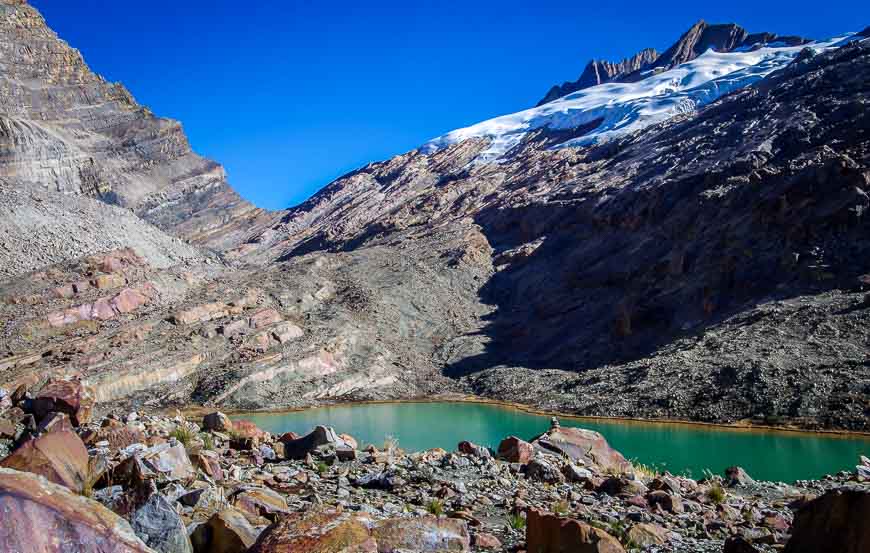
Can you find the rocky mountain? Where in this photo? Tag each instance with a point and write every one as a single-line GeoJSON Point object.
{"type": "Point", "coordinates": [702, 36]}
{"type": "Point", "coordinates": [599, 72]}
{"type": "Point", "coordinates": [65, 131]}
{"type": "Point", "coordinates": [698, 252]}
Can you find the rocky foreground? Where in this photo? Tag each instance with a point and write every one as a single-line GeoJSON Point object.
{"type": "Point", "coordinates": [156, 483]}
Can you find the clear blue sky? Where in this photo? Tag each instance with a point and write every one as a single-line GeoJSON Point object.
{"type": "Point", "coordinates": [289, 95]}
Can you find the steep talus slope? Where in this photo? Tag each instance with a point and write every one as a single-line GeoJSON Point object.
{"type": "Point", "coordinates": [66, 130]}
{"type": "Point", "coordinates": [700, 37]}
{"type": "Point", "coordinates": [709, 267]}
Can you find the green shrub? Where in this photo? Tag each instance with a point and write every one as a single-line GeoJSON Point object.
{"type": "Point", "coordinates": [183, 434]}
{"type": "Point", "coordinates": [716, 493]}
{"type": "Point", "coordinates": [517, 521]}
{"type": "Point", "coordinates": [435, 507]}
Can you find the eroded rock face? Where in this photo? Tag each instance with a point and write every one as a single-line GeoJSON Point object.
{"type": "Point", "coordinates": [836, 521]}
{"type": "Point", "coordinates": [39, 516]}
{"type": "Point", "coordinates": [515, 450]}
{"type": "Point", "coordinates": [225, 532]}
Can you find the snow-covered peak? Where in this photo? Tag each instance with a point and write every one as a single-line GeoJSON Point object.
{"type": "Point", "coordinates": [623, 108]}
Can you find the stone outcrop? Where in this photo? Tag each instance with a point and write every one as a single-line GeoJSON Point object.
{"type": "Point", "coordinates": [322, 531]}
{"type": "Point", "coordinates": [599, 72]}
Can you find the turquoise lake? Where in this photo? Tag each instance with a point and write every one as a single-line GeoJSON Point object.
{"type": "Point", "coordinates": [679, 448]}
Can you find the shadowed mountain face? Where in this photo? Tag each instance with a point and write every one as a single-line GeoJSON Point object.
{"type": "Point", "coordinates": [701, 37]}
{"type": "Point", "coordinates": [710, 267]}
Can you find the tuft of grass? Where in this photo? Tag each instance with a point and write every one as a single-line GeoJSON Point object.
{"type": "Point", "coordinates": [517, 521]}
{"type": "Point", "coordinates": [435, 507]}
{"type": "Point", "coordinates": [645, 471]}
{"type": "Point", "coordinates": [321, 468]}
{"type": "Point", "coordinates": [716, 493]}
{"type": "Point", "coordinates": [184, 435]}
{"type": "Point", "coordinates": [561, 508]}
{"type": "Point", "coordinates": [207, 441]}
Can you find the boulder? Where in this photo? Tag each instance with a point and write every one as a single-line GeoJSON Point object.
{"type": "Point", "coordinates": [546, 533]}
{"type": "Point", "coordinates": [159, 526]}
{"type": "Point", "coordinates": [645, 534]}
{"type": "Point", "coordinates": [217, 421]}
{"type": "Point", "coordinates": [209, 463]}
{"type": "Point", "coordinates": [225, 532]}
{"type": "Point", "coordinates": [469, 448]}
{"type": "Point", "coordinates": [41, 517]}
{"type": "Point", "coordinates": [579, 444]}
{"type": "Point", "coordinates": [671, 503]}
{"type": "Point", "coordinates": [171, 461]}
{"type": "Point", "coordinates": [483, 540]}
{"type": "Point", "coordinates": [621, 486]}
{"type": "Point", "coordinates": [60, 457]}
{"type": "Point", "coordinates": [128, 300]}
{"type": "Point", "coordinates": [111, 280]}
{"type": "Point", "coordinates": [836, 521]}
{"type": "Point", "coordinates": [247, 429]}
{"type": "Point", "coordinates": [544, 470]}
{"type": "Point", "coordinates": [286, 331]}
{"type": "Point", "coordinates": [322, 531]}
{"type": "Point", "coordinates": [736, 476]}
{"type": "Point", "coordinates": [320, 436]}
{"type": "Point", "coordinates": [261, 502]}
{"type": "Point", "coordinates": [426, 534]}
{"type": "Point", "coordinates": [515, 450]}
{"type": "Point", "coordinates": [65, 396]}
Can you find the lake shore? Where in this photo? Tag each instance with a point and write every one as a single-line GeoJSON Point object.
{"type": "Point", "coordinates": [739, 426]}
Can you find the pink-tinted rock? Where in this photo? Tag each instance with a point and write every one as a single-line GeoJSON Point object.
{"type": "Point", "coordinates": [128, 300]}
{"type": "Point", "coordinates": [426, 534]}
{"type": "Point", "coordinates": [105, 282]}
{"type": "Point", "coordinates": [546, 533]}
{"type": "Point", "coordinates": [59, 456]}
{"type": "Point", "coordinates": [515, 450]}
{"type": "Point", "coordinates": [65, 396]}
{"type": "Point", "coordinates": [320, 531]}
{"type": "Point", "coordinates": [584, 445]}
{"type": "Point", "coordinates": [209, 463]}
{"type": "Point", "coordinates": [42, 517]}
{"type": "Point", "coordinates": [247, 429]}
{"type": "Point", "coordinates": [261, 502]}
{"type": "Point", "coordinates": [64, 292]}
{"type": "Point", "coordinates": [264, 317]}
{"type": "Point", "coordinates": [102, 310]}
{"type": "Point", "coordinates": [482, 540]}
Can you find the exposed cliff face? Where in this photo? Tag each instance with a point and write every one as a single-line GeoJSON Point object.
{"type": "Point", "coordinates": [64, 129]}
{"type": "Point", "coordinates": [701, 37]}
{"type": "Point", "coordinates": [602, 71]}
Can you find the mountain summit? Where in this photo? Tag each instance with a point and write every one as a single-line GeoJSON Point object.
{"type": "Point", "coordinates": [702, 36]}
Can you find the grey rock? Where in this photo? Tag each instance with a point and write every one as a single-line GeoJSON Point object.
{"type": "Point", "coordinates": [159, 526]}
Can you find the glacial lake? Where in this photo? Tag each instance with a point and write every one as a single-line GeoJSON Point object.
{"type": "Point", "coordinates": [679, 448]}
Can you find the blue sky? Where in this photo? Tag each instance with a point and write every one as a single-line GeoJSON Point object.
{"type": "Point", "coordinates": [289, 95]}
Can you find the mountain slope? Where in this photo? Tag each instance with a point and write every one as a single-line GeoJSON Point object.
{"type": "Point", "coordinates": [709, 266]}
{"type": "Point", "coordinates": [65, 130]}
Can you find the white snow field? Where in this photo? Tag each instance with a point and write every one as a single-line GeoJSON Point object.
{"type": "Point", "coordinates": [628, 107]}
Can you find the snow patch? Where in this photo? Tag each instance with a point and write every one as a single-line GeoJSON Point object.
{"type": "Point", "coordinates": [628, 107]}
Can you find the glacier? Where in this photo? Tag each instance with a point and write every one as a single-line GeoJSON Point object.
{"type": "Point", "coordinates": [624, 108]}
